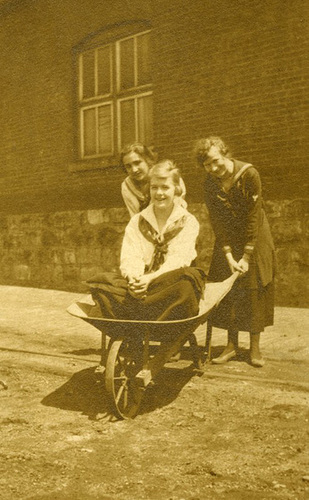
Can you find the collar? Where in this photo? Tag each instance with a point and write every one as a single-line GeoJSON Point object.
{"type": "Point", "coordinates": [177, 213]}
{"type": "Point", "coordinates": [238, 165]}
{"type": "Point", "coordinates": [131, 186]}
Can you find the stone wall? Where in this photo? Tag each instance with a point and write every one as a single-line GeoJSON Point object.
{"type": "Point", "coordinates": [60, 250]}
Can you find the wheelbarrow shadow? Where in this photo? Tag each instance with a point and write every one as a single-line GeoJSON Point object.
{"type": "Point", "coordinates": [167, 386]}
{"type": "Point", "coordinates": [85, 392]}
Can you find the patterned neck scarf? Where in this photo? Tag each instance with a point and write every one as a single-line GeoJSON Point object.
{"type": "Point", "coordinates": [160, 242]}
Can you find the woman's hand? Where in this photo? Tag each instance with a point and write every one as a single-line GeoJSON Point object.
{"type": "Point", "coordinates": [234, 265]}
{"type": "Point", "coordinates": [132, 278]}
{"type": "Point", "coordinates": [138, 286]}
{"type": "Point", "coordinates": [243, 264]}
{"type": "Point", "coordinates": [132, 284]}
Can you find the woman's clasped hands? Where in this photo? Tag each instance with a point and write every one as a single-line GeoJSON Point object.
{"type": "Point", "coordinates": [241, 266]}
{"type": "Point", "coordinates": [137, 285]}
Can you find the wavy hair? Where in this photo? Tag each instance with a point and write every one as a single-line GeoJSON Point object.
{"type": "Point", "coordinates": [167, 168]}
{"type": "Point", "coordinates": [202, 147]}
{"type": "Point", "coordinates": [145, 152]}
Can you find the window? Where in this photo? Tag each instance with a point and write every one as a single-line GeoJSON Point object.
{"type": "Point", "coordinates": [115, 96]}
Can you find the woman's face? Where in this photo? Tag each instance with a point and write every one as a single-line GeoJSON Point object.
{"type": "Point", "coordinates": [162, 192]}
{"type": "Point", "coordinates": [136, 167]}
{"type": "Point", "coordinates": [215, 164]}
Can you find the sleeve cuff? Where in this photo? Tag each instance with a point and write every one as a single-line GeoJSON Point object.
{"type": "Point", "coordinates": [227, 249]}
{"type": "Point", "coordinates": [248, 249]}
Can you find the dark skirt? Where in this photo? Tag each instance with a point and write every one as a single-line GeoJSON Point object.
{"type": "Point", "coordinates": [249, 306]}
{"type": "Point", "coordinates": [245, 309]}
{"type": "Point", "coordinates": [173, 295]}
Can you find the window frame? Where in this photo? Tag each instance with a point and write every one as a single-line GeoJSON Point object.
{"type": "Point", "coordinates": [113, 98]}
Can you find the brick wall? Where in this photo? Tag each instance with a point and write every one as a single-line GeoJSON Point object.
{"type": "Point", "coordinates": [62, 249]}
{"type": "Point", "coordinates": [240, 70]}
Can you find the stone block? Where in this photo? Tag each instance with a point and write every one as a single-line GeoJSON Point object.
{"type": "Point", "coordinates": [87, 272]}
{"type": "Point", "coordinates": [110, 260]}
{"type": "Point", "coordinates": [95, 217]}
{"type": "Point", "coordinates": [56, 256]}
{"type": "Point", "coordinates": [296, 208]}
{"type": "Point", "coordinates": [22, 272]}
{"type": "Point", "coordinates": [118, 216]}
{"type": "Point", "coordinates": [89, 255]}
{"type": "Point", "coordinates": [69, 257]}
{"type": "Point", "coordinates": [49, 238]}
{"type": "Point", "coordinates": [274, 209]}
{"type": "Point", "coordinates": [71, 273]}
{"type": "Point", "coordinates": [79, 236]}
{"type": "Point", "coordinates": [108, 236]}
{"type": "Point", "coordinates": [286, 230]}
{"type": "Point", "coordinates": [57, 275]}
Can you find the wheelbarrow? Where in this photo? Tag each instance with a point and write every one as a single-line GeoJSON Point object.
{"type": "Point", "coordinates": [128, 364]}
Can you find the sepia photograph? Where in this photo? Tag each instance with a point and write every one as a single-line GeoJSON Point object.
{"type": "Point", "coordinates": [154, 250]}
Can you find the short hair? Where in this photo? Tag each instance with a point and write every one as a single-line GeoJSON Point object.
{"type": "Point", "coordinates": [146, 152]}
{"type": "Point", "coordinates": [167, 168]}
{"type": "Point", "coordinates": [203, 146]}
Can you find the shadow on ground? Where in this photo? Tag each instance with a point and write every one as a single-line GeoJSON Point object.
{"type": "Point", "coordinates": [85, 392]}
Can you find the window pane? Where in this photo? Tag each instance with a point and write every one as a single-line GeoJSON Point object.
{"type": "Point", "coordinates": [104, 71]}
{"type": "Point", "coordinates": [88, 74]}
{"type": "Point", "coordinates": [105, 129]}
{"type": "Point", "coordinates": [143, 59]}
{"type": "Point", "coordinates": [145, 121]}
{"type": "Point", "coordinates": [89, 132]}
{"type": "Point", "coordinates": [127, 64]}
{"type": "Point", "coordinates": [127, 121]}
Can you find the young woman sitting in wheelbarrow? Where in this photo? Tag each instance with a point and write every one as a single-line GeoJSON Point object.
{"type": "Point", "coordinates": [156, 279]}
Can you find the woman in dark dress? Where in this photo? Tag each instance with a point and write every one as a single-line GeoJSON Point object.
{"type": "Point", "coordinates": [243, 243]}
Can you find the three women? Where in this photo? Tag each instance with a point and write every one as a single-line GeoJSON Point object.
{"type": "Point", "coordinates": [157, 280]}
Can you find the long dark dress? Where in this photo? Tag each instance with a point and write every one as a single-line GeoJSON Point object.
{"type": "Point", "coordinates": [240, 226]}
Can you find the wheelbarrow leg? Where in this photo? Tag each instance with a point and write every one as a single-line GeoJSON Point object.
{"type": "Point", "coordinates": [208, 340]}
{"type": "Point", "coordinates": [196, 352]}
{"type": "Point", "coordinates": [100, 369]}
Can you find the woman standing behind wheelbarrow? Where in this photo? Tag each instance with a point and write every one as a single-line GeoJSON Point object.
{"type": "Point", "coordinates": [137, 159]}
{"type": "Point", "coordinates": [243, 243]}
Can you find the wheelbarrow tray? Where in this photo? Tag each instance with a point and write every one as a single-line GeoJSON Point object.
{"type": "Point", "coordinates": [212, 296]}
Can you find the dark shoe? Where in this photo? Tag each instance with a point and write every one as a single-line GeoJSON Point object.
{"type": "Point", "coordinates": [258, 362]}
{"type": "Point", "coordinates": [223, 358]}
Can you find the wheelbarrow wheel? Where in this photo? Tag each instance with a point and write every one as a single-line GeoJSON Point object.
{"type": "Point", "coordinates": [121, 368]}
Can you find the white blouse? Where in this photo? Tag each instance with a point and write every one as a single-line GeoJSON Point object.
{"type": "Point", "coordinates": [137, 251]}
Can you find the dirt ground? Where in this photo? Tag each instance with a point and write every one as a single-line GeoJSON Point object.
{"type": "Point", "coordinates": [236, 432]}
